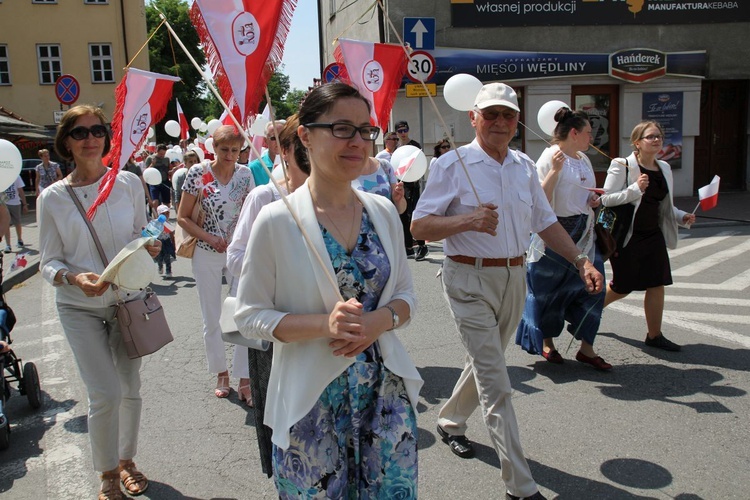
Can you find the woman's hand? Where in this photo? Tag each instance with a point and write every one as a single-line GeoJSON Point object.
{"type": "Point", "coordinates": [558, 160]}
{"type": "Point", "coordinates": [345, 321]}
{"type": "Point", "coordinates": [368, 334]}
{"type": "Point", "coordinates": [218, 243]}
{"type": "Point", "coordinates": [154, 248]}
{"type": "Point", "coordinates": [642, 182]}
{"type": "Point", "coordinates": [688, 219]}
{"type": "Point", "coordinates": [397, 193]}
{"type": "Point", "coordinates": [594, 200]}
{"type": "Point", "coordinates": [90, 285]}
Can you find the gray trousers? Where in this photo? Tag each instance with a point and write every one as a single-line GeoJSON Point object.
{"type": "Point", "coordinates": [486, 304]}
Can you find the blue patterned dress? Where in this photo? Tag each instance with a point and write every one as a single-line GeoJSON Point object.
{"type": "Point", "coordinates": [359, 441]}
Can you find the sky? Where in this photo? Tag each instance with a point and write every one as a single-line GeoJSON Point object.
{"type": "Point", "coordinates": [301, 52]}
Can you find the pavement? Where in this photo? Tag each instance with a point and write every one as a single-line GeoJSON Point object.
{"type": "Point", "coordinates": [733, 209]}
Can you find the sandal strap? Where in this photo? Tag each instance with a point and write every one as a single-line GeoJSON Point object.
{"type": "Point", "coordinates": [110, 489]}
{"type": "Point", "coordinates": [132, 479]}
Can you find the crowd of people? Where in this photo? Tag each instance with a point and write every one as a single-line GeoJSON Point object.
{"type": "Point", "coordinates": [322, 277]}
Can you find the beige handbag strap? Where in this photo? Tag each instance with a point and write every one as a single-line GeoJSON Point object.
{"type": "Point", "coordinates": [87, 221]}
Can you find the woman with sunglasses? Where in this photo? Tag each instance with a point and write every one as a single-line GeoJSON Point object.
{"type": "Point", "coordinates": [555, 293]}
{"type": "Point", "coordinates": [643, 263]}
{"type": "Point", "coordinates": [343, 392]}
{"type": "Point", "coordinates": [442, 147]}
{"type": "Point", "coordinates": [84, 304]}
{"type": "Point", "coordinates": [220, 186]}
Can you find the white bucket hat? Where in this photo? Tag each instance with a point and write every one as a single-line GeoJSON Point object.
{"type": "Point", "coordinates": [132, 268]}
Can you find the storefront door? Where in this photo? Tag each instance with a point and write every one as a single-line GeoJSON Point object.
{"type": "Point", "coordinates": [600, 102]}
{"type": "Point", "coordinates": [721, 147]}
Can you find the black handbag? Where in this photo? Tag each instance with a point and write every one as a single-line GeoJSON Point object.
{"type": "Point", "coordinates": [616, 221]}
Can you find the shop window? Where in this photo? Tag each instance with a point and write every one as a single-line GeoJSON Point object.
{"type": "Point", "coordinates": [100, 55]}
{"type": "Point", "coordinates": [600, 102]}
{"type": "Point", "coordinates": [4, 66]}
{"type": "Point", "coordinates": [50, 63]}
{"type": "Point", "coordinates": [519, 139]}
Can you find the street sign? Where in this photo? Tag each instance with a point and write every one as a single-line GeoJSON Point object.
{"type": "Point", "coordinates": [331, 72]}
{"type": "Point", "coordinates": [67, 89]}
{"type": "Point", "coordinates": [57, 116]}
{"type": "Point", "coordinates": [417, 90]}
{"type": "Point", "coordinates": [421, 66]}
{"type": "Point", "coordinates": [419, 32]}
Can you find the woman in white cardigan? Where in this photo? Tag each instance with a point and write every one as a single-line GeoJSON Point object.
{"type": "Point", "coordinates": [643, 262]}
{"type": "Point", "coordinates": [343, 392]}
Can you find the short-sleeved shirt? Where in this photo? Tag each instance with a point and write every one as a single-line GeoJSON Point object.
{"type": "Point", "coordinates": [48, 175]}
{"type": "Point", "coordinates": [260, 174]}
{"type": "Point", "coordinates": [11, 193]}
{"type": "Point", "coordinates": [513, 186]}
{"type": "Point", "coordinates": [379, 182]}
{"type": "Point", "coordinates": [221, 202]}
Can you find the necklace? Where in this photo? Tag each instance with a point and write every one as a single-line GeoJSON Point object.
{"type": "Point", "coordinates": [344, 237]}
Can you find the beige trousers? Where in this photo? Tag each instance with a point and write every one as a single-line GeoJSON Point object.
{"type": "Point", "coordinates": [486, 304]}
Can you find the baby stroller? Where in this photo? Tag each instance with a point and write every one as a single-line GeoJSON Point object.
{"type": "Point", "coordinates": [13, 370]}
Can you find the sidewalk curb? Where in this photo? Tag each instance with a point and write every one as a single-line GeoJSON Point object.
{"type": "Point", "coordinates": [20, 276]}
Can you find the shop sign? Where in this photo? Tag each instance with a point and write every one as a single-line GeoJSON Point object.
{"type": "Point", "coordinates": [496, 65]}
{"type": "Point", "coordinates": [495, 13]}
{"type": "Point", "coordinates": [638, 65]}
{"type": "Point", "coordinates": [665, 108]}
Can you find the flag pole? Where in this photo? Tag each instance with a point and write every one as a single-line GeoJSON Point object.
{"type": "Point", "coordinates": [242, 131]}
{"type": "Point", "coordinates": [696, 208]}
{"type": "Point", "coordinates": [272, 115]}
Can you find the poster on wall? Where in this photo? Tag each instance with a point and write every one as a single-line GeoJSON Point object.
{"type": "Point", "coordinates": [665, 108]}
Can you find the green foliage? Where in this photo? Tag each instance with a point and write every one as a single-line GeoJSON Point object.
{"type": "Point", "coordinates": [285, 101]}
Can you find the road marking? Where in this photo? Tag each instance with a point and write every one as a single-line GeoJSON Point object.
{"type": "Point", "coordinates": [700, 243]}
{"type": "Point", "coordinates": [734, 284]}
{"type": "Point", "coordinates": [712, 260]}
{"type": "Point", "coordinates": [675, 318]}
{"type": "Point", "coordinates": [686, 299]}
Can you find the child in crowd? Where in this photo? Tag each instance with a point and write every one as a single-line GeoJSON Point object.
{"type": "Point", "coordinates": [167, 254]}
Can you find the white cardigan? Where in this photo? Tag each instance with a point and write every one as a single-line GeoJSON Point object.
{"type": "Point", "coordinates": [280, 277]}
{"type": "Point", "coordinates": [669, 215]}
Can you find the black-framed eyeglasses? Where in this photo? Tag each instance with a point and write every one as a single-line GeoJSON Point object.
{"type": "Point", "coordinates": [507, 114]}
{"type": "Point", "coordinates": [402, 130]}
{"type": "Point", "coordinates": [81, 133]}
{"type": "Point", "coordinates": [347, 130]}
{"type": "Point", "coordinates": [652, 138]}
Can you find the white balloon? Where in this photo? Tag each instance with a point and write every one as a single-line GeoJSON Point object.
{"type": "Point", "coordinates": [203, 128]}
{"type": "Point", "coordinates": [213, 125]}
{"type": "Point", "coordinates": [210, 145]}
{"type": "Point", "coordinates": [172, 128]}
{"type": "Point", "coordinates": [199, 152]}
{"type": "Point", "coordinates": [259, 126]}
{"type": "Point", "coordinates": [10, 164]}
{"type": "Point", "coordinates": [174, 155]}
{"type": "Point", "coordinates": [546, 116]}
{"type": "Point", "coordinates": [196, 123]}
{"type": "Point", "coordinates": [151, 132]}
{"type": "Point", "coordinates": [461, 90]}
{"type": "Point", "coordinates": [409, 163]}
{"type": "Point", "coordinates": [152, 176]}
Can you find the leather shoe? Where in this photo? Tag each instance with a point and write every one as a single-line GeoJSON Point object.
{"type": "Point", "coordinates": [597, 362]}
{"type": "Point", "coordinates": [661, 342]}
{"type": "Point", "coordinates": [460, 445]}
{"type": "Point", "coordinates": [535, 496]}
{"type": "Point", "coordinates": [553, 356]}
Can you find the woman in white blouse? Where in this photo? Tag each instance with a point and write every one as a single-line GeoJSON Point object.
{"type": "Point", "coordinates": [555, 292]}
{"type": "Point", "coordinates": [70, 262]}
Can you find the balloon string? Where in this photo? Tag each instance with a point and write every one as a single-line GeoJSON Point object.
{"type": "Point", "coordinates": [145, 43]}
{"type": "Point", "coordinates": [276, 131]}
{"type": "Point", "coordinates": [446, 130]}
{"type": "Point", "coordinates": [242, 131]}
{"type": "Point", "coordinates": [336, 39]}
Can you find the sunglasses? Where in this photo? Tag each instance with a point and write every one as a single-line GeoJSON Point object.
{"type": "Point", "coordinates": [81, 133]}
{"type": "Point", "coordinates": [445, 146]}
{"type": "Point", "coordinates": [402, 130]}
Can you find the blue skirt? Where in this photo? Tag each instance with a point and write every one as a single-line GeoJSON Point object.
{"type": "Point", "coordinates": [556, 294]}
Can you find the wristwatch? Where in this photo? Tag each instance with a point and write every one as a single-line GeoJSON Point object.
{"type": "Point", "coordinates": [65, 278]}
{"type": "Point", "coordinates": [394, 317]}
{"type": "Point", "coordinates": [579, 258]}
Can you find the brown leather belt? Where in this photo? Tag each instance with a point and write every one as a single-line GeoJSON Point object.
{"type": "Point", "coordinates": [473, 261]}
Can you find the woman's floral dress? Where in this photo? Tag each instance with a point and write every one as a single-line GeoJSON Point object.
{"type": "Point", "coordinates": [360, 439]}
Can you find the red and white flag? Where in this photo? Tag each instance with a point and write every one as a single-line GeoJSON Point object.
{"type": "Point", "coordinates": [244, 43]}
{"type": "Point", "coordinates": [141, 100]}
{"type": "Point", "coordinates": [182, 120]}
{"type": "Point", "coordinates": [709, 195]}
{"type": "Point", "coordinates": [376, 69]}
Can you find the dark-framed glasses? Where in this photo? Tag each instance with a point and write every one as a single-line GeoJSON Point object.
{"type": "Point", "coordinates": [445, 146]}
{"type": "Point", "coordinates": [490, 115]}
{"type": "Point", "coordinates": [653, 137]}
{"type": "Point", "coordinates": [347, 130]}
{"type": "Point", "coordinates": [81, 133]}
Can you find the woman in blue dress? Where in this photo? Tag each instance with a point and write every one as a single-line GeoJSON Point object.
{"type": "Point", "coordinates": [343, 391]}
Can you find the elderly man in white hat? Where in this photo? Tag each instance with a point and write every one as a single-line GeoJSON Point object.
{"type": "Point", "coordinates": [484, 273]}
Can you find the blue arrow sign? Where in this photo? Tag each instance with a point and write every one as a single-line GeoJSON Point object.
{"type": "Point", "coordinates": [419, 32]}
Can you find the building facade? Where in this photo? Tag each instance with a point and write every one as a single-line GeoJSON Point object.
{"type": "Point", "coordinates": [91, 40]}
{"type": "Point", "coordinates": [681, 62]}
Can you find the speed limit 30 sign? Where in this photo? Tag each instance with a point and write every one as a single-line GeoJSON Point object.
{"type": "Point", "coordinates": [421, 66]}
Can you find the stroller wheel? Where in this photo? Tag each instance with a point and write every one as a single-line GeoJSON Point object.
{"type": "Point", "coordinates": [4, 432]}
{"type": "Point", "coordinates": [31, 385]}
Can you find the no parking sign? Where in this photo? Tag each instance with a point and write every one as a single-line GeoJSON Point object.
{"type": "Point", "coordinates": [67, 89]}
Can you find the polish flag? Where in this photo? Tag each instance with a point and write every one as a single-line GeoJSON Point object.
{"type": "Point", "coordinates": [244, 43]}
{"type": "Point", "coordinates": [182, 120]}
{"type": "Point", "coordinates": [709, 195]}
{"type": "Point", "coordinates": [376, 69]}
{"type": "Point", "coordinates": [141, 101]}
{"type": "Point", "coordinates": [226, 119]}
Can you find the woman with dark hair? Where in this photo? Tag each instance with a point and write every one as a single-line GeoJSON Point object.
{"type": "Point", "coordinates": [643, 263]}
{"type": "Point", "coordinates": [343, 392]}
{"type": "Point", "coordinates": [442, 147]}
{"type": "Point", "coordinates": [220, 186]}
{"type": "Point", "coordinates": [555, 292]}
{"type": "Point", "coordinates": [84, 303]}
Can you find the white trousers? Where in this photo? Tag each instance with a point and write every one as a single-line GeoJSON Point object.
{"type": "Point", "coordinates": [208, 268]}
{"type": "Point", "coordinates": [112, 381]}
{"type": "Point", "coordinates": [486, 305]}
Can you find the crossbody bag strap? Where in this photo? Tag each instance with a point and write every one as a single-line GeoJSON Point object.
{"type": "Point", "coordinates": [88, 222]}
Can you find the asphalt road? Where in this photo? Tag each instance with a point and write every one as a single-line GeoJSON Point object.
{"type": "Point", "coordinates": [660, 425]}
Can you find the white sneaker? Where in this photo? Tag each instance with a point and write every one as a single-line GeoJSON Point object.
{"type": "Point", "coordinates": [7, 249]}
